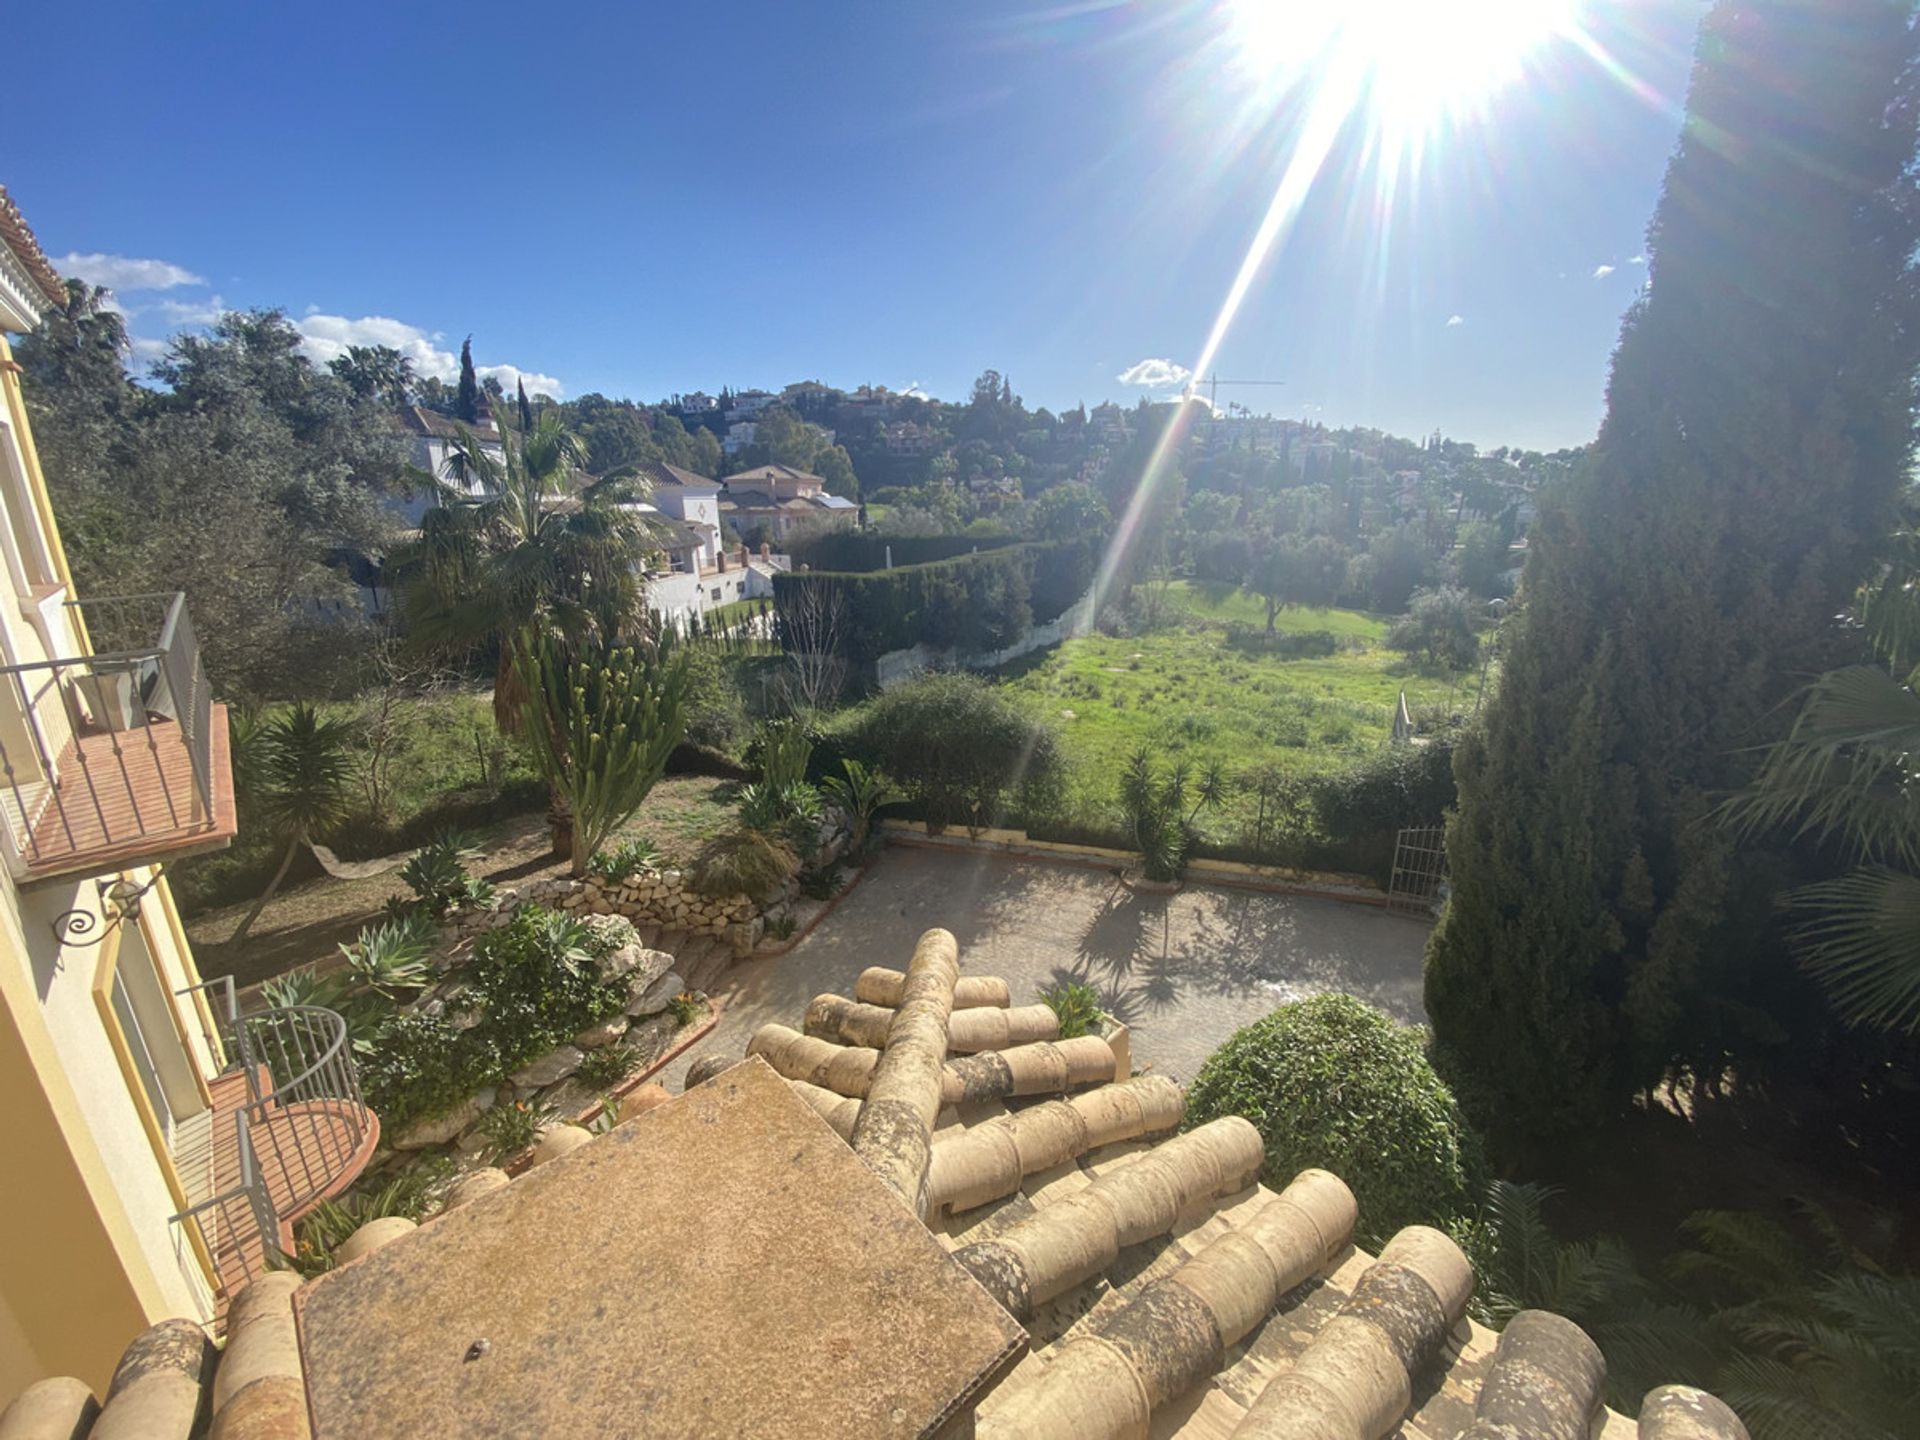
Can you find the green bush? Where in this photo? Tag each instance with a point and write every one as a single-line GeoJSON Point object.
{"type": "Point", "coordinates": [1282, 644]}
{"type": "Point", "coordinates": [1397, 786]}
{"type": "Point", "coordinates": [1333, 1083]}
{"type": "Point", "coordinates": [961, 748]}
{"type": "Point", "coordinates": [1077, 1004]}
{"type": "Point", "coordinates": [744, 862]}
{"type": "Point", "coordinates": [970, 602]}
{"type": "Point", "coordinates": [537, 983]}
{"type": "Point", "coordinates": [420, 1065]}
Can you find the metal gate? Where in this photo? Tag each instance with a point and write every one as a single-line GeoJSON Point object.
{"type": "Point", "coordinates": [1419, 870]}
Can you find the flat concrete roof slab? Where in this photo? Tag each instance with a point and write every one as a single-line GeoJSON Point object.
{"type": "Point", "coordinates": [720, 1266]}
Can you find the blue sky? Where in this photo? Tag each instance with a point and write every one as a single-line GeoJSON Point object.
{"type": "Point", "coordinates": [648, 199]}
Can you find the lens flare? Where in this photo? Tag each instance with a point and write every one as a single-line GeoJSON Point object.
{"type": "Point", "coordinates": [1407, 72]}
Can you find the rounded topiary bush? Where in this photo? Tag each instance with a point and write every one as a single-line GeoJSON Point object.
{"type": "Point", "coordinates": [1331, 1082]}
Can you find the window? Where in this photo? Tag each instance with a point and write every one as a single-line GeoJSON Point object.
{"type": "Point", "coordinates": [28, 557]}
{"type": "Point", "coordinates": [716, 593]}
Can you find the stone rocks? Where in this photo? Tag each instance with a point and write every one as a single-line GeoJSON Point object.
{"type": "Point", "coordinates": [605, 1033]}
{"type": "Point", "coordinates": [371, 1236]}
{"type": "Point", "coordinates": [655, 997]}
{"type": "Point", "coordinates": [439, 1129]}
{"type": "Point", "coordinates": [550, 1069]}
{"type": "Point", "coordinates": [651, 1037]}
{"type": "Point", "coordinates": [558, 1140]}
{"type": "Point", "coordinates": [646, 1098]}
{"type": "Point", "coordinates": [472, 1186]}
{"type": "Point", "coordinates": [706, 1067]}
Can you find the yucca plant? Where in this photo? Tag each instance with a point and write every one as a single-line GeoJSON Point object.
{"type": "Point", "coordinates": [785, 749]}
{"type": "Point", "coordinates": [600, 729]}
{"type": "Point", "coordinates": [1158, 814]}
{"type": "Point", "coordinates": [791, 809]}
{"type": "Point", "coordinates": [302, 769]}
{"type": "Point", "coordinates": [857, 792]}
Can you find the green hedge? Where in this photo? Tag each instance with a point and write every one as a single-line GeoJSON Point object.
{"type": "Point", "coordinates": [851, 551]}
{"type": "Point", "coordinates": [970, 603]}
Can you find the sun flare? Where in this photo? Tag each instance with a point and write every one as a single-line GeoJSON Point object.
{"type": "Point", "coordinates": [1421, 62]}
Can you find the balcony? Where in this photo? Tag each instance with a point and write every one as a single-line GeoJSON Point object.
{"type": "Point", "coordinates": [287, 1130]}
{"type": "Point", "coordinates": [118, 758]}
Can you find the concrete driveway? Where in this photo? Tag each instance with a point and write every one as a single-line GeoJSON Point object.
{"type": "Point", "coordinates": [1184, 971]}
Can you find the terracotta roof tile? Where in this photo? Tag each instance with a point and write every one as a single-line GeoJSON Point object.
{"type": "Point", "coordinates": [18, 236]}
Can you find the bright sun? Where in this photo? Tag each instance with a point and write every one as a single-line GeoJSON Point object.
{"type": "Point", "coordinates": [1417, 63]}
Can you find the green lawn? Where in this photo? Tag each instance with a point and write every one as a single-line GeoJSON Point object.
{"type": "Point", "coordinates": [1224, 603]}
{"type": "Point", "coordinates": [1190, 696]}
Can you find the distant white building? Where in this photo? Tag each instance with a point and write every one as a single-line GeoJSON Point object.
{"type": "Point", "coordinates": [431, 441]}
{"type": "Point", "coordinates": [698, 403]}
{"type": "Point", "coordinates": [749, 403]}
{"type": "Point", "coordinates": [739, 435]}
{"type": "Point", "coordinates": [696, 573]}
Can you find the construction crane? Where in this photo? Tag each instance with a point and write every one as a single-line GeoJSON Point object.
{"type": "Point", "coordinates": [1214, 383]}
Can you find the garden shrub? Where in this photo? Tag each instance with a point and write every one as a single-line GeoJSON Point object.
{"type": "Point", "coordinates": [971, 602]}
{"type": "Point", "coordinates": [746, 861]}
{"type": "Point", "coordinates": [537, 983]}
{"type": "Point", "coordinates": [1396, 786]}
{"type": "Point", "coordinates": [961, 748]}
{"type": "Point", "coordinates": [1333, 1083]}
{"type": "Point", "coordinates": [419, 1065]}
{"type": "Point", "coordinates": [1281, 644]}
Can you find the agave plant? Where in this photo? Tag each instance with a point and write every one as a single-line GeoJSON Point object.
{"type": "Point", "coordinates": [437, 873]}
{"type": "Point", "coordinates": [391, 957]}
{"type": "Point", "coordinates": [791, 809]}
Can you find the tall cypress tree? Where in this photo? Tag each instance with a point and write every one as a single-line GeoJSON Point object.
{"type": "Point", "coordinates": [526, 411]}
{"type": "Point", "coordinates": [1758, 430]}
{"type": "Point", "coordinates": [466, 403]}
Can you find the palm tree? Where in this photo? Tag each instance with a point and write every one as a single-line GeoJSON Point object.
{"type": "Point", "coordinates": [1846, 777]}
{"type": "Point", "coordinates": [302, 768]}
{"type": "Point", "coordinates": [531, 561]}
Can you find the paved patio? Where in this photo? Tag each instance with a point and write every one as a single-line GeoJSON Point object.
{"type": "Point", "coordinates": [1184, 971]}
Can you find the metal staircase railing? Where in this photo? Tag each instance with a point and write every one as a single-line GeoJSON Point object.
{"type": "Point", "coordinates": [300, 1134]}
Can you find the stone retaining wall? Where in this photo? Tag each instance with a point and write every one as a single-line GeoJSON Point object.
{"type": "Point", "coordinates": [662, 898]}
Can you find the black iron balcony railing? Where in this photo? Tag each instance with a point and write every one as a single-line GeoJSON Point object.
{"type": "Point", "coordinates": [116, 757]}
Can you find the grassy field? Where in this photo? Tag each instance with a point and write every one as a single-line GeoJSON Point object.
{"type": "Point", "coordinates": [1184, 691]}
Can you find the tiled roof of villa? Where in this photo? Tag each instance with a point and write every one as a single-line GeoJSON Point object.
{"type": "Point", "coordinates": [18, 237]}
{"type": "Point", "coordinates": [663, 474]}
{"type": "Point", "coordinates": [762, 473]}
{"type": "Point", "coordinates": [1010, 1237]}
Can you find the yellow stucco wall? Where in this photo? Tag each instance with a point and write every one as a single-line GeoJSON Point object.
{"type": "Point", "coordinates": [89, 1257]}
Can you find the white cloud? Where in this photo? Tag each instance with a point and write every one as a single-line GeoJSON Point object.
{"type": "Point", "coordinates": [328, 336]}
{"type": "Point", "coordinates": [1638, 260]}
{"type": "Point", "coordinates": [912, 388]}
{"type": "Point", "coordinates": [1600, 272]}
{"type": "Point", "coordinates": [1454, 322]}
{"type": "Point", "coordinates": [124, 272]}
{"type": "Point", "coordinates": [510, 376]}
{"type": "Point", "coordinates": [145, 349]}
{"type": "Point", "coordinates": [188, 312]}
{"type": "Point", "coordinates": [1155, 374]}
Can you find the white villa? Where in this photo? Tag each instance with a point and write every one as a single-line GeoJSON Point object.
{"type": "Point", "coordinates": [697, 573]}
{"type": "Point", "coordinates": [431, 438]}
